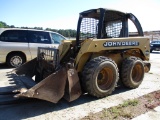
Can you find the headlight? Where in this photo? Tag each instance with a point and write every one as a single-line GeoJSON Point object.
{"type": "Point", "coordinates": [151, 45]}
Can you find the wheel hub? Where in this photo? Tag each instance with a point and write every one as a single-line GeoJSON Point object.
{"type": "Point", "coordinates": [16, 61]}
{"type": "Point", "coordinates": [104, 79]}
{"type": "Point", "coordinates": [136, 73]}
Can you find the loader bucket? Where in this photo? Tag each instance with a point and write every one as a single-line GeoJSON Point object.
{"type": "Point", "coordinates": [73, 88]}
{"type": "Point", "coordinates": [62, 83]}
{"type": "Point", "coordinates": [50, 89]}
{"type": "Point", "coordinates": [54, 81]}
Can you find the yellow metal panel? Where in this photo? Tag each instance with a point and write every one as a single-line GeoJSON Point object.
{"type": "Point", "coordinates": [63, 48]}
{"type": "Point", "coordinates": [97, 45]}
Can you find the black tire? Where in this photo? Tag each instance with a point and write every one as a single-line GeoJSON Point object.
{"type": "Point", "coordinates": [132, 72]}
{"type": "Point", "coordinates": [100, 76]}
{"type": "Point", "coordinates": [151, 50]}
{"type": "Point", "coordinates": [15, 60]}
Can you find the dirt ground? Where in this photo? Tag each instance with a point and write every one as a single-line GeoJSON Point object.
{"type": "Point", "coordinates": [128, 109]}
{"type": "Point", "coordinates": [87, 105]}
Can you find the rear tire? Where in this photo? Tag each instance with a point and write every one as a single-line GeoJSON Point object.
{"type": "Point", "coordinates": [132, 72]}
{"type": "Point", "coordinates": [100, 76]}
{"type": "Point", "coordinates": [15, 60]}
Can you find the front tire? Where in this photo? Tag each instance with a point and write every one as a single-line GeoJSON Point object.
{"type": "Point", "coordinates": [15, 60]}
{"type": "Point", "coordinates": [100, 76]}
{"type": "Point", "coordinates": [132, 72]}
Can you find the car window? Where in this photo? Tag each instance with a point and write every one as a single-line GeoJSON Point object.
{"type": "Point", "coordinates": [14, 36]}
{"type": "Point", "coordinates": [56, 38]}
{"type": "Point", "coordinates": [155, 42]}
{"type": "Point", "coordinates": [39, 37]}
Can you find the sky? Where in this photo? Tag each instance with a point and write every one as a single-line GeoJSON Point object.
{"type": "Point", "coordinates": [63, 14]}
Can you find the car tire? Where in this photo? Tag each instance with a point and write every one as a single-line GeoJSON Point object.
{"type": "Point", "coordinates": [15, 60]}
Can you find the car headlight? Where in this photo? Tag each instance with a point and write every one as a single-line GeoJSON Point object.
{"type": "Point", "coordinates": [151, 45]}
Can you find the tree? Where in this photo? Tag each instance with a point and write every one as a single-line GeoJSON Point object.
{"type": "Point", "coordinates": [3, 25]}
{"type": "Point", "coordinates": [38, 28]}
{"type": "Point", "coordinates": [12, 26]}
{"type": "Point", "coordinates": [65, 32]}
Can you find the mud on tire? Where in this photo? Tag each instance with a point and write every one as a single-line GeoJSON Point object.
{"type": "Point", "coordinates": [100, 76]}
{"type": "Point", "coordinates": [132, 72]}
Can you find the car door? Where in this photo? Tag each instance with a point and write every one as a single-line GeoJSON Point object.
{"type": "Point", "coordinates": [14, 41]}
{"type": "Point", "coordinates": [39, 39]}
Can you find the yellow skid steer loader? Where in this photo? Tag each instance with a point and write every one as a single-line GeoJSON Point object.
{"type": "Point", "coordinates": [103, 53]}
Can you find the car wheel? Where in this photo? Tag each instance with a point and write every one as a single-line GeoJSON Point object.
{"type": "Point", "coordinates": [15, 60]}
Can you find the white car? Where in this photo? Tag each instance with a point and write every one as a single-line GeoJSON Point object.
{"type": "Point", "coordinates": [20, 45]}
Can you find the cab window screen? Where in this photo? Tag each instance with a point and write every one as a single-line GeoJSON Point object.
{"type": "Point", "coordinates": [89, 28]}
{"type": "Point", "coordinates": [113, 29]}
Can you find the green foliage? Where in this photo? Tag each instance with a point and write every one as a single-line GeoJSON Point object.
{"type": "Point", "coordinates": [3, 25]}
{"type": "Point", "coordinates": [65, 32]}
{"type": "Point", "coordinates": [133, 102]}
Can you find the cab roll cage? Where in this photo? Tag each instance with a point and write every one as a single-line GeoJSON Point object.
{"type": "Point", "coordinates": [106, 15]}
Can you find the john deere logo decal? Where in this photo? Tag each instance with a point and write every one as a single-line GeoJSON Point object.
{"type": "Point", "coordinates": [124, 43]}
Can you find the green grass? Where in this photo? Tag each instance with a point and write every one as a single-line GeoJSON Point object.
{"type": "Point", "coordinates": [129, 102]}
{"type": "Point", "coordinates": [116, 111]}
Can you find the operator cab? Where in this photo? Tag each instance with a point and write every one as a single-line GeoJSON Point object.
{"type": "Point", "coordinates": [105, 23]}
